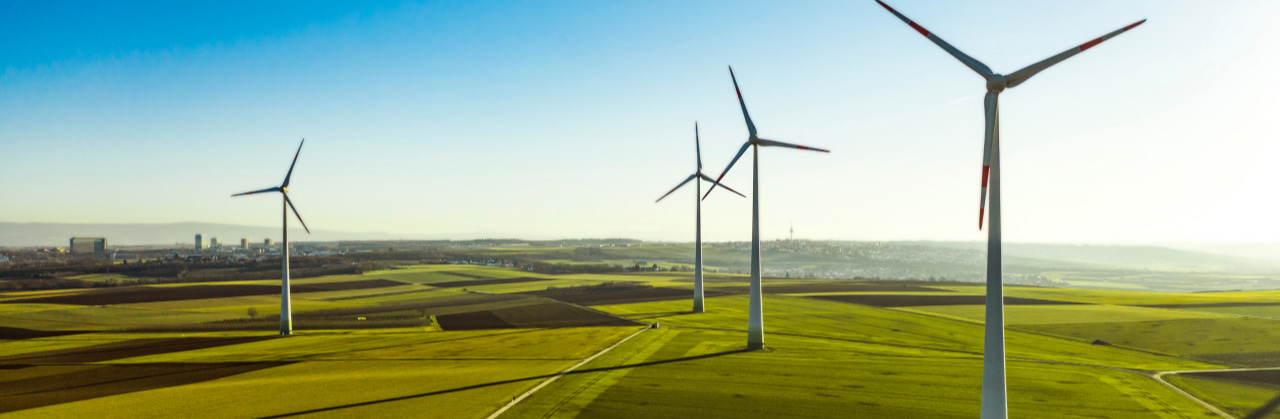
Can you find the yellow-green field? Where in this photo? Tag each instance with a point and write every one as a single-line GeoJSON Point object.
{"type": "Point", "coordinates": [468, 357]}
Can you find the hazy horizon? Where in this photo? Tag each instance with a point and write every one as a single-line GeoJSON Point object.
{"type": "Point", "coordinates": [566, 120]}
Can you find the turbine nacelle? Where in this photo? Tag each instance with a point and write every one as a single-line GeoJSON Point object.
{"type": "Point", "coordinates": [997, 83]}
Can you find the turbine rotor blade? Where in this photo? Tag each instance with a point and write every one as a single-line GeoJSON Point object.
{"type": "Point", "coordinates": [274, 189]}
{"type": "Point", "coordinates": [673, 190]}
{"type": "Point", "coordinates": [726, 169]}
{"type": "Point", "coordinates": [1020, 76]}
{"type": "Point", "coordinates": [295, 212]}
{"type": "Point", "coordinates": [751, 127]}
{"type": "Point", "coordinates": [772, 143]}
{"type": "Point", "coordinates": [972, 63]}
{"type": "Point", "coordinates": [697, 144]}
{"type": "Point", "coordinates": [295, 162]}
{"type": "Point", "coordinates": [726, 187]}
{"type": "Point", "coordinates": [989, 138]}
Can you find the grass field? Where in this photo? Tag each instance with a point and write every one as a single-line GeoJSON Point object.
{"type": "Point", "coordinates": [1236, 398]}
{"type": "Point", "coordinates": [1235, 341]}
{"type": "Point", "coordinates": [834, 348]}
{"type": "Point", "coordinates": [688, 372]}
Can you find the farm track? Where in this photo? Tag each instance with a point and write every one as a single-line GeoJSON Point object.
{"type": "Point", "coordinates": [552, 379]}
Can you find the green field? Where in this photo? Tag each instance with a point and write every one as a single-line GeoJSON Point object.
{"type": "Point", "coordinates": [686, 371]}
{"type": "Point", "coordinates": [823, 358]}
{"type": "Point", "coordinates": [1236, 398]}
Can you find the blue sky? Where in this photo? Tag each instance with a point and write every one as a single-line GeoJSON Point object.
{"type": "Point", "coordinates": [567, 119]}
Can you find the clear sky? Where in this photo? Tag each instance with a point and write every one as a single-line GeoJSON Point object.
{"type": "Point", "coordinates": [568, 118]}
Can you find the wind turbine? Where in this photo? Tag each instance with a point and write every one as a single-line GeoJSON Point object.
{"type": "Point", "coordinates": [286, 316]}
{"type": "Point", "coordinates": [994, 403]}
{"type": "Point", "coordinates": [755, 313]}
{"type": "Point", "coordinates": [698, 306]}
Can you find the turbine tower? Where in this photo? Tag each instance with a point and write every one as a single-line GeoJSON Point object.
{"type": "Point", "coordinates": [698, 306]}
{"type": "Point", "coordinates": [994, 404]}
{"type": "Point", "coordinates": [755, 313]}
{"type": "Point", "coordinates": [286, 314]}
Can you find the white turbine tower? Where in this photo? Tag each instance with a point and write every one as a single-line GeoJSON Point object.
{"type": "Point", "coordinates": [286, 316]}
{"type": "Point", "coordinates": [994, 403]}
{"type": "Point", "coordinates": [698, 306]}
{"type": "Point", "coordinates": [755, 314]}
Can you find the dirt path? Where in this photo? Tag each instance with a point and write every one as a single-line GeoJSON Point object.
{"type": "Point", "coordinates": [561, 374]}
{"type": "Point", "coordinates": [1159, 377]}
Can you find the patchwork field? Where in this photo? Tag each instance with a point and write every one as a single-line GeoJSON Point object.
{"type": "Point", "coordinates": [413, 342]}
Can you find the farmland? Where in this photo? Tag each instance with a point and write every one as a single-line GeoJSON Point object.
{"type": "Point", "coordinates": [462, 341]}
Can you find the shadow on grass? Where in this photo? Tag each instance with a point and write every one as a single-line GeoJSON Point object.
{"type": "Point", "coordinates": [1265, 410]}
{"type": "Point", "coordinates": [516, 380]}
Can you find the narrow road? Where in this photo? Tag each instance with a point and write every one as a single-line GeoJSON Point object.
{"type": "Point", "coordinates": [561, 374]}
{"type": "Point", "coordinates": [1159, 376]}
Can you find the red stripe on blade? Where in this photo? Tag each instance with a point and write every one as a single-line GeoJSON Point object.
{"type": "Point", "coordinates": [1090, 44]}
{"type": "Point", "coordinates": [919, 28]}
{"type": "Point", "coordinates": [1134, 25]}
{"type": "Point", "coordinates": [985, 171]}
{"type": "Point", "coordinates": [980, 214]}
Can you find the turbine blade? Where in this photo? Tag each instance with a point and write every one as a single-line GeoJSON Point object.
{"type": "Point", "coordinates": [992, 103]}
{"type": "Point", "coordinates": [726, 187]}
{"type": "Point", "coordinates": [697, 144]}
{"type": "Point", "coordinates": [726, 169]}
{"type": "Point", "coordinates": [972, 63]}
{"type": "Point", "coordinates": [274, 189]}
{"type": "Point", "coordinates": [751, 127]}
{"type": "Point", "coordinates": [1022, 75]}
{"type": "Point", "coordinates": [295, 162]}
{"type": "Point", "coordinates": [295, 212]}
{"type": "Point", "coordinates": [673, 190]}
{"type": "Point", "coordinates": [772, 143]}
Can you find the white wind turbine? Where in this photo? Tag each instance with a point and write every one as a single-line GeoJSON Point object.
{"type": "Point", "coordinates": [698, 306]}
{"type": "Point", "coordinates": [755, 313]}
{"type": "Point", "coordinates": [994, 403]}
{"type": "Point", "coordinates": [286, 316]}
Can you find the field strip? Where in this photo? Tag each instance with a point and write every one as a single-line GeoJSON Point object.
{"type": "Point", "coordinates": [562, 373]}
{"type": "Point", "coordinates": [1159, 376]}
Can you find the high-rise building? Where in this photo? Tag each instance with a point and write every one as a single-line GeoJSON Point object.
{"type": "Point", "coordinates": [214, 242]}
{"type": "Point", "coordinates": [268, 242]}
{"type": "Point", "coordinates": [88, 245]}
{"type": "Point", "coordinates": [201, 244]}
{"type": "Point", "coordinates": [244, 243]}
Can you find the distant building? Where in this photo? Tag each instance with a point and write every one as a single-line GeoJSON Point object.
{"type": "Point", "coordinates": [244, 243]}
{"type": "Point", "coordinates": [88, 245]}
{"type": "Point", "coordinates": [201, 244]}
{"type": "Point", "coordinates": [4, 258]}
{"type": "Point", "coordinates": [214, 242]}
{"type": "Point", "coordinates": [268, 242]}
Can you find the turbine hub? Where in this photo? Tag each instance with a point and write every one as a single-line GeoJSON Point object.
{"type": "Point", "coordinates": [285, 190]}
{"type": "Point", "coordinates": [997, 83]}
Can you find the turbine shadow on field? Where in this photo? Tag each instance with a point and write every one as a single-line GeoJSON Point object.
{"type": "Point", "coordinates": [1265, 410]}
{"type": "Point", "coordinates": [515, 380]}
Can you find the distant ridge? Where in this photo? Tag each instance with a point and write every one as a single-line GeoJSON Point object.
{"type": "Point", "coordinates": [57, 234]}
